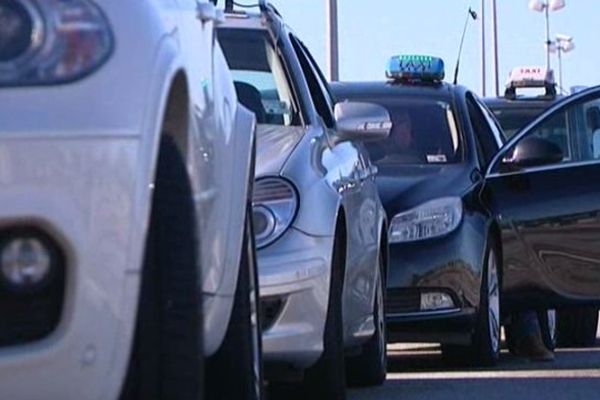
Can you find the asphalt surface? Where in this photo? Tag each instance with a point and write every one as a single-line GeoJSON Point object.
{"type": "Point", "coordinates": [416, 372]}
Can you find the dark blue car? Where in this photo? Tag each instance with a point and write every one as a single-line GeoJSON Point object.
{"type": "Point", "coordinates": [478, 225]}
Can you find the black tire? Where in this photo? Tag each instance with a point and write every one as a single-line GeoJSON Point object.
{"type": "Point", "coordinates": [548, 328]}
{"type": "Point", "coordinates": [370, 367]}
{"type": "Point", "coordinates": [485, 346]}
{"type": "Point", "coordinates": [327, 378]}
{"type": "Point", "coordinates": [167, 355]}
{"type": "Point", "coordinates": [577, 326]}
{"type": "Point", "coordinates": [235, 371]}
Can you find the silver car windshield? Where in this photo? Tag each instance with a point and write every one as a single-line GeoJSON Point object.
{"type": "Point", "coordinates": [423, 132]}
{"type": "Point", "coordinates": [259, 76]}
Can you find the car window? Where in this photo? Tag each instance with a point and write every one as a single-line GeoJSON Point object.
{"type": "Point", "coordinates": [556, 130]}
{"type": "Point", "coordinates": [497, 130]}
{"type": "Point", "coordinates": [318, 90]}
{"type": "Point", "coordinates": [319, 75]}
{"type": "Point", "coordinates": [575, 129]}
{"type": "Point", "coordinates": [484, 135]}
{"type": "Point", "coordinates": [423, 132]}
{"type": "Point", "coordinates": [514, 119]}
{"type": "Point", "coordinates": [259, 76]}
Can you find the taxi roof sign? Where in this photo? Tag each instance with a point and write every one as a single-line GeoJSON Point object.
{"type": "Point", "coordinates": [415, 68]}
{"type": "Point", "coordinates": [530, 77]}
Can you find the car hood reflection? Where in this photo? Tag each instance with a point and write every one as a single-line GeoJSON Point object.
{"type": "Point", "coordinates": [274, 145]}
{"type": "Point", "coordinates": [406, 186]}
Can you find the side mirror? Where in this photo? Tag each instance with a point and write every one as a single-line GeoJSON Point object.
{"type": "Point", "coordinates": [535, 152]}
{"type": "Point", "coordinates": [366, 122]}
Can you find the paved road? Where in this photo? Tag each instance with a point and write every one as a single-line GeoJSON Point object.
{"type": "Point", "coordinates": [417, 373]}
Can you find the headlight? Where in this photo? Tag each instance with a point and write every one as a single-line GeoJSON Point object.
{"type": "Point", "coordinates": [275, 203]}
{"type": "Point", "coordinates": [434, 218]}
{"type": "Point", "coordinates": [51, 41]}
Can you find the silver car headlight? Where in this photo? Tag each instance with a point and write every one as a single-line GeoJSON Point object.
{"type": "Point", "coordinates": [274, 206]}
{"type": "Point", "coordinates": [428, 220]}
{"type": "Point", "coordinates": [46, 42]}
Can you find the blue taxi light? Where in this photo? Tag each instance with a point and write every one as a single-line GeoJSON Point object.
{"type": "Point", "coordinates": [415, 68]}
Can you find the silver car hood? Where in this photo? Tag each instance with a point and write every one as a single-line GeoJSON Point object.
{"type": "Point", "coordinates": [274, 144]}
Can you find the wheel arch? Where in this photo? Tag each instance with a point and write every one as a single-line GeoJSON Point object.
{"type": "Point", "coordinates": [176, 115]}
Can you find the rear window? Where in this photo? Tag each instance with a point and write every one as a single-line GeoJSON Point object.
{"type": "Point", "coordinates": [514, 119]}
{"type": "Point", "coordinates": [423, 132]}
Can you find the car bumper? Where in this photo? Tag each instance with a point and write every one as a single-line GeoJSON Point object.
{"type": "Point", "coordinates": [81, 192]}
{"type": "Point", "coordinates": [451, 265]}
{"type": "Point", "coordinates": [447, 326]}
{"type": "Point", "coordinates": [294, 279]}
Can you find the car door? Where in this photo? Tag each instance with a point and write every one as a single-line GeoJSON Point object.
{"type": "Point", "coordinates": [550, 214]}
{"type": "Point", "coordinates": [359, 204]}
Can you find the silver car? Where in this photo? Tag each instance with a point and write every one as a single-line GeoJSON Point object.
{"type": "Point", "coordinates": [319, 224]}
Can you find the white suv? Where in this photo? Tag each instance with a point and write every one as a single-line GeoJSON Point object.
{"type": "Point", "coordinates": [125, 163]}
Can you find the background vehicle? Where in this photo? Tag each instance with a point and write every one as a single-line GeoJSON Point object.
{"type": "Point", "coordinates": [509, 226]}
{"type": "Point", "coordinates": [125, 198]}
{"type": "Point", "coordinates": [445, 248]}
{"type": "Point", "coordinates": [573, 326]}
{"type": "Point", "coordinates": [549, 208]}
{"type": "Point", "coordinates": [320, 226]}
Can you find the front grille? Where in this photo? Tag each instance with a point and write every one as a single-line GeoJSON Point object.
{"type": "Point", "coordinates": [401, 301]}
{"type": "Point", "coordinates": [270, 308]}
{"type": "Point", "coordinates": [30, 316]}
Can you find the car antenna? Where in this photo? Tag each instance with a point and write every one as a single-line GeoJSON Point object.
{"type": "Point", "coordinates": [470, 15]}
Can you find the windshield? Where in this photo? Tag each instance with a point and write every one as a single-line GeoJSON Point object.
{"type": "Point", "coordinates": [514, 119]}
{"type": "Point", "coordinates": [423, 132]}
{"type": "Point", "coordinates": [259, 76]}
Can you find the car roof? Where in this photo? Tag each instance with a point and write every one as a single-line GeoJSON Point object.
{"type": "Point", "coordinates": [441, 91]}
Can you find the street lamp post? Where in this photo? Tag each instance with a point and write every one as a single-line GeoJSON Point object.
{"type": "Point", "coordinates": [546, 7]}
{"type": "Point", "coordinates": [495, 46]}
{"type": "Point", "coordinates": [562, 44]}
{"type": "Point", "coordinates": [483, 66]}
{"type": "Point", "coordinates": [332, 41]}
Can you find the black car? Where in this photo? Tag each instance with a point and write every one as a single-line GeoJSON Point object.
{"type": "Point", "coordinates": [572, 326]}
{"type": "Point", "coordinates": [477, 224]}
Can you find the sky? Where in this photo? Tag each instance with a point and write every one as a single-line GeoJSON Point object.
{"type": "Point", "coordinates": [372, 31]}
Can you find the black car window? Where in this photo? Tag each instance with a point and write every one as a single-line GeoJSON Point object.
{"type": "Point", "coordinates": [575, 129]}
{"type": "Point", "coordinates": [481, 129]}
{"type": "Point", "coordinates": [316, 88]}
{"type": "Point", "coordinates": [320, 77]}
{"type": "Point", "coordinates": [497, 131]}
{"type": "Point", "coordinates": [513, 119]}
{"type": "Point", "coordinates": [259, 76]}
{"type": "Point", "coordinates": [423, 132]}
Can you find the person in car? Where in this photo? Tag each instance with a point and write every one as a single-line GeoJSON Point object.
{"type": "Point", "coordinates": [401, 146]}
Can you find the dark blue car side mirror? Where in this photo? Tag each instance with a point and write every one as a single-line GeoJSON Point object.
{"type": "Point", "coordinates": [534, 152]}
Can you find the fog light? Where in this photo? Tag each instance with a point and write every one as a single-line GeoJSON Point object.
{"type": "Point", "coordinates": [25, 262]}
{"type": "Point", "coordinates": [436, 301]}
